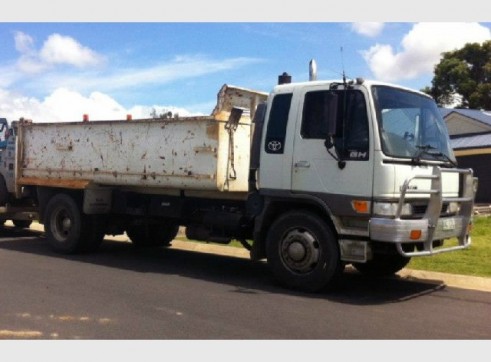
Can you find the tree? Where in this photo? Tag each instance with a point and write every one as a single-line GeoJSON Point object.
{"type": "Point", "coordinates": [463, 77]}
{"type": "Point", "coordinates": [165, 115]}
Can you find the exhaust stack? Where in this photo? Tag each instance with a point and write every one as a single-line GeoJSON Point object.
{"type": "Point", "coordinates": [312, 70]}
{"type": "Point", "coordinates": [284, 78]}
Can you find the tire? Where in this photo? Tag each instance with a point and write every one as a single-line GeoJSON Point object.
{"type": "Point", "coordinates": [22, 224]}
{"type": "Point", "coordinates": [302, 252]}
{"type": "Point", "coordinates": [382, 265]}
{"type": "Point", "coordinates": [68, 231]}
{"type": "Point", "coordinates": [153, 235]}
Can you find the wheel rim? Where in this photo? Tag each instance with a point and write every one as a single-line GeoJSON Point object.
{"type": "Point", "coordinates": [61, 224]}
{"type": "Point", "coordinates": [300, 251]}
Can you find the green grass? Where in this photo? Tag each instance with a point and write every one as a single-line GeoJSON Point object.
{"type": "Point", "coordinates": [475, 261]}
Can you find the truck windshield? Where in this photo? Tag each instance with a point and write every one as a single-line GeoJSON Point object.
{"type": "Point", "coordinates": [411, 126]}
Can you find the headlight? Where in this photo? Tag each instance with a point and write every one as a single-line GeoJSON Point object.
{"type": "Point", "coordinates": [390, 209]}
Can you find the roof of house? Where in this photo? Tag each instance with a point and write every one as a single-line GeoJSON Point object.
{"type": "Point", "coordinates": [478, 115]}
{"type": "Point", "coordinates": [471, 141]}
{"type": "Point", "coordinates": [474, 140]}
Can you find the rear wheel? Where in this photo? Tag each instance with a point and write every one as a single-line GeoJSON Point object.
{"type": "Point", "coordinates": [68, 231]}
{"type": "Point", "coordinates": [303, 252]}
{"type": "Point", "coordinates": [153, 235]}
{"type": "Point", "coordinates": [382, 265]}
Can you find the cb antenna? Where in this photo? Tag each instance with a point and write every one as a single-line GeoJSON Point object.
{"type": "Point", "coordinates": [342, 65]}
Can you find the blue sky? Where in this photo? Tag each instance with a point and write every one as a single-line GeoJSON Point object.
{"type": "Point", "coordinates": [54, 71]}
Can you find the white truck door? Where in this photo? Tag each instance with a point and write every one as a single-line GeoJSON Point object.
{"type": "Point", "coordinates": [314, 169]}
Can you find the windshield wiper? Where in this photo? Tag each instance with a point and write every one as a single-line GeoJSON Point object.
{"type": "Point", "coordinates": [422, 150]}
{"type": "Point", "coordinates": [425, 149]}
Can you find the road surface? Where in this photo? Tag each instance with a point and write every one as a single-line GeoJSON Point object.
{"type": "Point", "coordinates": [122, 293]}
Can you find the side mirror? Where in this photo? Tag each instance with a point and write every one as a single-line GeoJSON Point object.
{"type": "Point", "coordinates": [330, 117]}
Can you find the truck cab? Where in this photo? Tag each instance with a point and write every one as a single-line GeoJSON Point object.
{"type": "Point", "coordinates": [371, 162]}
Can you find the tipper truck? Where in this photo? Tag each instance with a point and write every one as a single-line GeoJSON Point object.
{"type": "Point", "coordinates": [311, 177]}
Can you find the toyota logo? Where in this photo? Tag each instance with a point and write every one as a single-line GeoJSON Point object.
{"type": "Point", "coordinates": [274, 146]}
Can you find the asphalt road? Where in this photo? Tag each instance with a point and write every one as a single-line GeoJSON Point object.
{"type": "Point", "coordinates": [122, 293]}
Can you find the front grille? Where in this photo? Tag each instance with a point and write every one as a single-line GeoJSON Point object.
{"type": "Point", "coordinates": [420, 209]}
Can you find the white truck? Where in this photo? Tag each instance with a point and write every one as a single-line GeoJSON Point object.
{"type": "Point", "coordinates": [311, 177]}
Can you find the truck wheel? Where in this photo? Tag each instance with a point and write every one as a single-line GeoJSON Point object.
{"type": "Point", "coordinates": [68, 231]}
{"type": "Point", "coordinates": [22, 224]}
{"type": "Point", "coordinates": [152, 235]}
{"type": "Point", "coordinates": [382, 265]}
{"type": "Point", "coordinates": [303, 252]}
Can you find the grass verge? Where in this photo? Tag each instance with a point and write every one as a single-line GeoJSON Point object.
{"type": "Point", "coordinates": [475, 261]}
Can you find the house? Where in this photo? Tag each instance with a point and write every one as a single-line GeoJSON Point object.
{"type": "Point", "coordinates": [470, 134]}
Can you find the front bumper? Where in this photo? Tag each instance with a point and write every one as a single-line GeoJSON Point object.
{"type": "Point", "coordinates": [401, 231]}
{"type": "Point", "coordinates": [431, 227]}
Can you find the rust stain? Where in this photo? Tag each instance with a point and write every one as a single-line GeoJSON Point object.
{"type": "Point", "coordinates": [212, 130]}
{"type": "Point", "coordinates": [37, 181]}
{"type": "Point", "coordinates": [144, 176]}
{"type": "Point", "coordinates": [5, 333]}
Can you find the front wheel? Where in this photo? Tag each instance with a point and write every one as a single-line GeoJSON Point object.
{"type": "Point", "coordinates": [303, 252]}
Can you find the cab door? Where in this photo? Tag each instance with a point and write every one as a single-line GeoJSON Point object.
{"type": "Point", "coordinates": [344, 171]}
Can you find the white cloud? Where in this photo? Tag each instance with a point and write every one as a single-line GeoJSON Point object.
{"type": "Point", "coordinates": [64, 105]}
{"type": "Point", "coordinates": [68, 105]}
{"type": "Point", "coordinates": [369, 29]}
{"type": "Point", "coordinates": [59, 49]}
{"type": "Point", "coordinates": [421, 49]}
{"type": "Point", "coordinates": [56, 50]}
{"type": "Point", "coordinates": [24, 43]}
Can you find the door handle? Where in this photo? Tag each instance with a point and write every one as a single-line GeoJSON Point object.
{"type": "Point", "coordinates": [302, 164]}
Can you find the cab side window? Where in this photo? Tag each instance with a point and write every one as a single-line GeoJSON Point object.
{"type": "Point", "coordinates": [355, 126]}
{"type": "Point", "coordinates": [313, 124]}
{"type": "Point", "coordinates": [278, 120]}
{"type": "Point", "coordinates": [351, 138]}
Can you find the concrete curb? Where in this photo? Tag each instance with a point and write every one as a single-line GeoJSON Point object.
{"type": "Point", "coordinates": [451, 280]}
